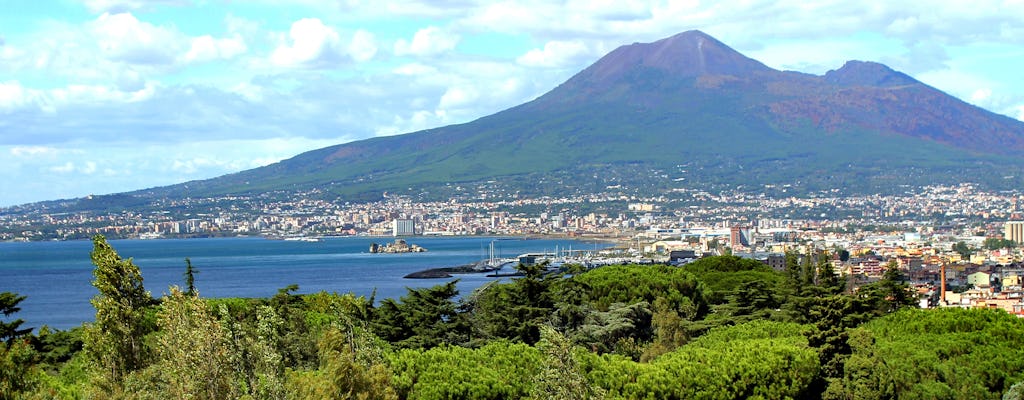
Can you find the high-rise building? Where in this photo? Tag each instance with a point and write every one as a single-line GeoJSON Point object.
{"type": "Point", "coordinates": [739, 236]}
{"type": "Point", "coordinates": [1014, 230]}
{"type": "Point", "coordinates": [403, 227]}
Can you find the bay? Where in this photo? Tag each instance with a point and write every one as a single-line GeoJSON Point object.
{"type": "Point", "coordinates": [56, 276]}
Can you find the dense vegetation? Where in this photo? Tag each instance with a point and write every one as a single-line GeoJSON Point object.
{"type": "Point", "coordinates": [721, 327]}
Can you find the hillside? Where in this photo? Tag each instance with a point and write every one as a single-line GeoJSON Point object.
{"type": "Point", "coordinates": [693, 109]}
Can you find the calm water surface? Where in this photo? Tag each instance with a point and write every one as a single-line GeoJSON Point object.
{"type": "Point", "coordinates": [57, 276]}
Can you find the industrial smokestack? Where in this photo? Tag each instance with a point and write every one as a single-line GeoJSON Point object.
{"type": "Point", "coordinates": [942, 278]}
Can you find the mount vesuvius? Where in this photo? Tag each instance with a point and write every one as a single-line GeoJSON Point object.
{"type": "Point", "coordinates": [689, 109]}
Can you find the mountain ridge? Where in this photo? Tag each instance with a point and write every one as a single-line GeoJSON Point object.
{"type": "Point", "coordinates": [688, 99]}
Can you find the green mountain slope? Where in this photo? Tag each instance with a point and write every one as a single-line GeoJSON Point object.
{"type": "Point", "coordinates": [694, 107]}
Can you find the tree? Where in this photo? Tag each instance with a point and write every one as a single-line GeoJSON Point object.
{"type": "Point", "coordinates": [17, 369]}
{"type": "Point", "coordinates": [963, 249]}
{"type": "Point", "coordinates": [9, 305]}
{"type": "Point", "coordinates": [830, 282]}
{"type": "Point", "coordinates": [115, 340]}
{"type": "Point", "coordinates": [190, 277]}
{"type": "Point", "coordinates": [254, 354]}
{"type": "Point", "coordinates": [193, 351]}
{"type": "Point", "coordinates": [342, 374]}
{"type": "Point", "coordinates": [807, 274]}
{"type": "Point", "coordinates": [17, 358]}
{"type": "Point", "coordinates": [895, 291]}
{"type": "Point", "coordinates": [516, 310]}
{"type": "Point", "coordinates": [424, 318]}
{"type": "Point", "coordinates": [844, 255]}
{"type": "Point", "coordinates": [997, 243]}
{"type": "Point", "coordinates": [560, 377]}
{"type": "Point", "coordinates": [793, 271]}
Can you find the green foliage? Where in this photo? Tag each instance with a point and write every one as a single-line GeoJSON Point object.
{"type": "Point", "coordinates": [190, 277]}
{"type": "Point", "coordinates": [321, 345]}
{"type": "Point", "coordinates": [255, 351]}
{"type": "Point", "coordinates": [943, 353]}
{"type": "Point", "coordinates": [723, 276]}
{"type": "Point", "coordinates": [998, 243]}
{"type": "Point", "coordinates": [757, 359]}
{"type": "Point", "coordinates": [193, 351]}
{"type": "Point", "coordinates": [343, 373]}
{"type": "Point", "coordinates": [890, 294]}
{"type": "Point", "coordinates": [115, 339]}
{"type": "Point", "coordinates": [57, 347]}
{"type": "Point", "coordinates": [515, 310]}
{"type": "Point", "coordinates": [17, 369]}
{"type": "Point", "coordinates": [560, 377]}
{"type": "Point", "coordinates": [423, 318]}
{"type": "Point", "coordinates": [1016, 392]}
{"type": "Point", "coordinates": [295, 341]}
{"type": "Point", "coordinates": [963, 249]}
{"type": "Point", "coordinates": [323, 308]}
{"type": "Point", "coordinates": [629, 284]}
{"type": "Point", "coordinates": [669, 331]}
{"type": "Point", "coordinates": [9, 305]}
{"type": "Point", "coordinates": [498, 370]}
{"type": "Point", "coordinates": [71, 381]}
{"type": "Point", "coordinates": [602, 331]}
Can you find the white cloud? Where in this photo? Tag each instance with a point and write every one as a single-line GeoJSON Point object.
{"type": "Point", "coordinates": [363, 46]}
{"type": "Point", "coordinates": [122, 37]}
{"type": "Point", "coordinates": [252, 93]}
{"type": "Point", "coordinates": [84, 94]}
{"type": "Point", "coordinates": [32, 151]}
{"type": "Point", "coordinates": [414, 69]}
{"type": "Point", "coordinates": [457, 97]}
{"type": "Point", "coordinates": [207, 48]}
{"type": "Point", "coordinates": [427, 42]}
{"type": "Point", "coordinates": [1020, 112]}
{"type": "Point", "coordinates": [89, 168]}
{"type": "Point", "coordinates": [119, 6]}
{"type": "Point", "coordinates": [310, 42]}
{"type": "Point", "coordinates": [981, 95]}
{"type": "Point", "coordinates": [65, 168]}
{"type": "Point", "coordinates": [12, 95]}
{"type": "Point", "coordinates": [555, 54]}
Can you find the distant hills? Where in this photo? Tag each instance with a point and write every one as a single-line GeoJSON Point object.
{"type": "Point", "coordinates": [687, 110]}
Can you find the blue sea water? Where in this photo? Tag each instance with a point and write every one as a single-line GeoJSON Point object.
{"type": "Point", "coordinates": [56, 276]}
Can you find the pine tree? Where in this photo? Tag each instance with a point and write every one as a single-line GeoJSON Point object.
{"type": "Point", "coordinates": [9, 305]}
{"type": "Point", "coordinates": [190, 278]}
{"type": "Point", "coordinates": [115, 340]}
{"type": "Point", "coordinates": [193, 350]}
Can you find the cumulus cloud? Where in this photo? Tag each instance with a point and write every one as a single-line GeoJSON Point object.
{"type": "Point", "coordinates": [12, 95]}
{"type": "Point", "coordinates": [311, 41]}
{"type": "Point", "coordinates": [363, 46]}
{"type": "Point", "coordinates": [414, 69]}
{"type": "Point", "coordinates": [32, 151]}
{"type": "Point", "coordinates": [458, 97]}
{"type": "Point", "coordinates": [124, 79]}
{"type": "Point", "coordinates": [427, 42]}
{"type": "Point", "coordinates": [981, 95]}
{"type": "Point", "coordinates": [555, 54]}
{"type": "Point", "coordinates": [122, 37]}
{"type": "Point", "coordinates": [207, 48]}
{"type": "Point", "coordinates": [120, 6]}
{"type": "Point", "coordinates": [65, 168]}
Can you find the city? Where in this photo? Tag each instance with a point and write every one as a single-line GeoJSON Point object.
{"type": "Point", "coordinates": [961, 229]}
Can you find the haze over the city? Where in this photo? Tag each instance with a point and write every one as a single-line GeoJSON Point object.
{"type": "Point", "coordinates": [104, 96]}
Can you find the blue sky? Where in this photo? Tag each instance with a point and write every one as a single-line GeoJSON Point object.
{"type": "Point", "coordinates": [105, 96]}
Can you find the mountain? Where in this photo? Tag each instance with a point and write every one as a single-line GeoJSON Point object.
{"type": "Point", "coordinates": [688, 109]}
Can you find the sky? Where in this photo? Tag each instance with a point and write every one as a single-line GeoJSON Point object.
{"type": "Point", "coordinates": [108, 96]}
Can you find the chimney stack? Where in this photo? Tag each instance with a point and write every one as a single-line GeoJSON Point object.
{"type": "Point", "coordinates": [942, 278]}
